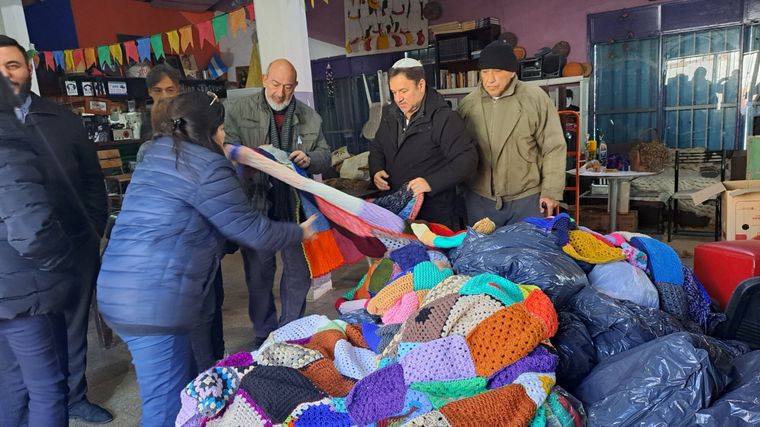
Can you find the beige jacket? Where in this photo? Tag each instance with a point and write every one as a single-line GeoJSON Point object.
{"type": "Point", "coordinates": [521, 148]}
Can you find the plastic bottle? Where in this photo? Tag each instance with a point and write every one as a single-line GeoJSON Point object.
{"type": "Point", "coordinates": [603, 154]}
{"type": "Point", "coordinates": [591, 148]}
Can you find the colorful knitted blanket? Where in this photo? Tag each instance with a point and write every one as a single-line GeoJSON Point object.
{"type": "Point", "coordinates": [476, 352]}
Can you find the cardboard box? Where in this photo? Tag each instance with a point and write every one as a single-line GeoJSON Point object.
{"type": "Point", "coordinates": [740, 207]}
{"type": "Point", "coordinates": [599, 220]}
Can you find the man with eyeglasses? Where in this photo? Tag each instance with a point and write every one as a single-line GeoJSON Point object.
{"type": "Point", "coordinates": [275, 117]}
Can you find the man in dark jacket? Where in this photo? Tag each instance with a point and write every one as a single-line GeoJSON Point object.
{"type": "Point", "coordinates": [78, 196]}
{"type": "Point", "coordinates": [422, 142]}
{"type": "Point", "coordinates": [35, 278]}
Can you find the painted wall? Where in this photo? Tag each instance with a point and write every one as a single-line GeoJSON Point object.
{"type": "Point", "coordinates": [51, 25]}
{"type": "Point", "coordinates": [536, 23]}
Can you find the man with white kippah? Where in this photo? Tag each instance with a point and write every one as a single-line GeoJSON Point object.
{"type": "Point", "coordinates": [422, 143]}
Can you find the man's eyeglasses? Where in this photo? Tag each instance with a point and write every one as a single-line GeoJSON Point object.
{"type": "Point", "coordinates": [214, 96]}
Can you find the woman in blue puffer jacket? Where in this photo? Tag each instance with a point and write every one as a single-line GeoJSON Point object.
{"type": "Point", "coordinates": [183, 202]}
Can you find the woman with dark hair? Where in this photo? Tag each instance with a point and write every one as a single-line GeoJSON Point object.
{"type": "Point", "coordinates": [184, 201]}
{"type": "Point", "coordinates": [36, 277]}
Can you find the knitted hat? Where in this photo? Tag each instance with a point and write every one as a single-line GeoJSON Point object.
{"type": "Point", "coordinates": [585, 247]}
{"type": "Point", "coordinates": [378, 395]}
{"type": "Point", "coordinates": [484, 226]}
{"type": "Point", "coordinates": [278, 390]}
{"type": "Point", "coordinates": [498, 55]}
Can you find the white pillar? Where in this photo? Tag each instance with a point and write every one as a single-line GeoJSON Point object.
{"type": "Point", "coordinates": [13, 24]}
{"type": "Point", "coordinates": [281, 30]}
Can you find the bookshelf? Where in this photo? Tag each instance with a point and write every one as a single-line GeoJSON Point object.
{"type": "Point", "coordinates": [458, 50]}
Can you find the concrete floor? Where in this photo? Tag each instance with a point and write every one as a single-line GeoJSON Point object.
{"type": "Point", "coordinates": [111, 376]}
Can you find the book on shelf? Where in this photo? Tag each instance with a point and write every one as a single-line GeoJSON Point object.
{"type": "Point", "coordinates": [456, 26]}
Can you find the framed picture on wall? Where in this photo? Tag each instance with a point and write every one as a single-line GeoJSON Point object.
{"type": "Point", "coordinates": [189, 66]}
{"type": "Point", "coordinates": [71, 88]}
{"type": "Point", "coordinates": [88, 89]}
{"type": "Point", "coordinates": [241, 73]}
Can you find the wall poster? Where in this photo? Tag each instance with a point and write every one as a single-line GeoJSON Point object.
{"type": "Point", "coordinates": [382, 26]}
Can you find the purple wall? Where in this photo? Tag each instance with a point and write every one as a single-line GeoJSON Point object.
{"type": "Point", "coordinates": [536, 23]}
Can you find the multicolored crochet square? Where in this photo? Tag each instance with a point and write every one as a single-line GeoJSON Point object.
{"type": "Point", "coordinates": [472, 351]}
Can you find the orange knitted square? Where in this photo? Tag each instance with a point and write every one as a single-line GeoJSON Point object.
{"type": "Point", "coordinates": [504, 406]}
{"type": "Point", "coordinates": [322, 254]}
{"type": "Point", "coordinates": [539, 305]}
{"type": "Point", "coordinates": [324, 342]}
{"type": "Point", "coordinates": [503, 338]}
{"type": "Point", "coordinates": [355, 337]}
{"type": "Point", "coordinates": [324, 375]}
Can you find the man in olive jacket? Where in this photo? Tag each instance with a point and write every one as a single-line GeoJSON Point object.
{"type": "Point", "coordinates": [274, 116]}
{"type": "Point", "coordinates": [421, 143]}
{"type": "Point", "coordinates": [520, 143]}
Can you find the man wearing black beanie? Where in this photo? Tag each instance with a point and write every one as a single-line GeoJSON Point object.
{"type": "Point", "coordinates": [521, 148]}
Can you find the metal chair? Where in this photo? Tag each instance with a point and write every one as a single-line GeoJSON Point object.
{"type": "Point", "coordinates": [703, 158]}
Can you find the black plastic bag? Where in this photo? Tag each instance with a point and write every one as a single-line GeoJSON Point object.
{"type": "Point", "coordinates": [524, 254]}
{"type": "Point", "coordinates": [740, 404]}
{"type": "Point", "coordinates": [661, 383]}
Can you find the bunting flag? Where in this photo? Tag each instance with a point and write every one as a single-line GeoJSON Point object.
{"type": "Point", "coordinates": [157, 43]}
{"type": "Point", "coordinates": [68, 59]}
{"type": "Point", "coordinates": [58, 57]}
{"type": "Point", "coordinates": [205, 32]}
{"type": "Point", "coordinates": [186, 37]}
{"type": "Point", "coordinates": [130, 50]}
{"type": "Point", "coordinates": [104, 55]}
{"type": "Point", "coordinates": [173, 37]}
{"type": "Point", "coordinates": [237, 21]}
{"type": "Point", "coordinates": [49, 61]}
{"type": "Point", "coordinates": [143, 48]}
{"type": "Point", "coordinates": [220, 26]}
{"type": "Point", "coordinates": [180, 40]}
{"type": "Point", "coordinates": [117, 53]}
{"type": "Point", "coordinates": [89, 57]}
{"type": "Point", "coordinates": [78, 57]}
{"type": "Point", "coordinates": [254, 67]}
{"type": "Point", "coordinates": [216, 67]}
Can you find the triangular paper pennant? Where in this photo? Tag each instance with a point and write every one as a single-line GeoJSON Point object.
{"type": "Point", "coordinates": [143, 48]}
{"type": "Point", "coordinates": [89, 57]}
{"type": "Point", "coordinates": [205, 32]}
{"type": "Point", "coordinates": [173, 37]}
{"type": "Point", "coordinates": [220, 27]}
{"type": "Point", "coordinates": [104, 55]}
{"type": "Point", "coordinates": [117, 53]}
{"type": "Point", "coordinates": [186, 37]}
{"type": "Point", "coordinates": [251, 14]}
{"type": "Point", "coordinates": [237, 21]}
{"type": "Point", "coordinates": [49, 61]}
{"type": "Point", "coordinates": [130, 49]}
{"type": "Point", "coordinates": [68, 59]}
{"type": "Point", "coordinates": [58, 57]}
{"type": "Point", "coordinates": [78, 57]}
{"type": "Point", "coordinates": [157, 43]}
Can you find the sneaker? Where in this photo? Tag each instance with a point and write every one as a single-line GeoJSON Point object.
{"type": "Point", "coordinates": [89, 412]}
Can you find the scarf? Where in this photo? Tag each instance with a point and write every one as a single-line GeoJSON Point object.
{"type": "Point", "coordinates": [281, 195]}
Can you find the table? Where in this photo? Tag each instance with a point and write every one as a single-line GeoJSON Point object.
{"type": "Point", "coordinates": [614, 180]}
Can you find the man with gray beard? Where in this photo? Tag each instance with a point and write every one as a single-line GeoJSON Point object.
{"type": "Point", "coordinates": [275, 117]}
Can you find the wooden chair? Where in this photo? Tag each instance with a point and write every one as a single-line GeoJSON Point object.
{"type": "Point", "coordinates": [715, 159]}
{"type": "Point", "coordinates": [116, 179]}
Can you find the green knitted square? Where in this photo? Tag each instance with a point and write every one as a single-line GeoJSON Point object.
{"type": "Point", "coordinates": [443, 392]}
{"type": "Point", "coordinates": [540, 419]}
{"type": "Point", "coordinates": [380, 276]}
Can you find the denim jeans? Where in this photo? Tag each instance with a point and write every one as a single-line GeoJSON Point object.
{"type": "Point", "coordinates": [162, 364]}
{"type": "Point", "coordinates": [32, 380]}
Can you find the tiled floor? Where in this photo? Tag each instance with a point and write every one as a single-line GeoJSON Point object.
{"type": "Point", "coordinates": [110, 373]}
